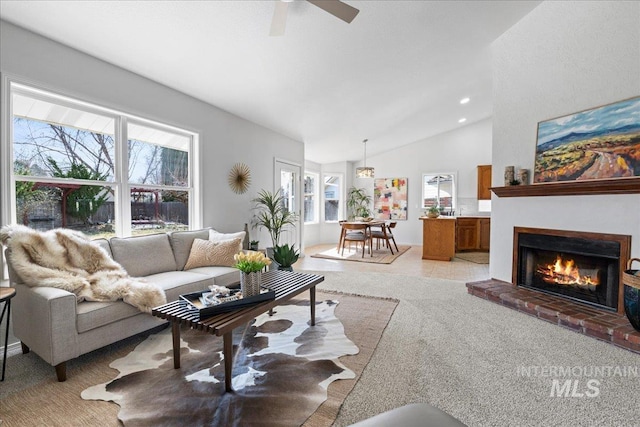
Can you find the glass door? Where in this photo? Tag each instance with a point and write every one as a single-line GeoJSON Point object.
{"type": "Point", "coordinates": [288, 180]}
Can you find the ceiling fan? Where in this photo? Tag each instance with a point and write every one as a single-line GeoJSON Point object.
{"type": "Point", "coordinates": [335, 7]}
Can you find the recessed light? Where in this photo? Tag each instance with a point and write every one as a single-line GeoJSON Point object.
{"type": "Point", "coordinates": [462, 120]}
{"type": "Point", "coordinates": [464, 100]}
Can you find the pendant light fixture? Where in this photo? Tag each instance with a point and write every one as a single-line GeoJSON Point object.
{"type": "Point", "coordinates": [365, 172]}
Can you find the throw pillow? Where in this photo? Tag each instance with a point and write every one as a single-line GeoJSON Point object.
{"type": "Point", "coordinates": [216, 236]}
{"type": "Point", "coordinates": [205, 253]}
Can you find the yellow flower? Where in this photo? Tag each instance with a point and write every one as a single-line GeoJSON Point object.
{"type": "Point", "coordinates": [251, 261]}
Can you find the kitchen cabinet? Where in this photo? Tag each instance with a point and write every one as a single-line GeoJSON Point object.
{"type": "Point", "coordinates": [466, 234]}
{"type": "Point", "coordinates": [472, 233]}
{"type": "Point", "coordinates": [485, 233]}
{"type": "Point", "coordinates": [438, 238]}
{"type": "Point", "coordinates": [484, 182]}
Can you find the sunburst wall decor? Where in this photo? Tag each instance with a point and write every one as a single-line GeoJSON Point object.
{"type": "Point", "coordinates": [239, 178]}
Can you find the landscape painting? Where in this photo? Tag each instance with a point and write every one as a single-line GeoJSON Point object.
{"type": "Point", "coordinates": [390, 198]}
{"type": "Point", "coordinates": [599, 143]}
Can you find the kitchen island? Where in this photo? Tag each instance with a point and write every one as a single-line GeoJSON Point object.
{"type": "Point", "coordinates": [442, 237]}
{"type": "Point", "coordinates": [438, 238]}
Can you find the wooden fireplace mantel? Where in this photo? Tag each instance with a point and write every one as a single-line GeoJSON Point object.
{"type": "Point", "coordinates": [571, 188]}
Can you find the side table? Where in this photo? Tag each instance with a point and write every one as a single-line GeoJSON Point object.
{"type": "Point", "coordinates": [5, 296]}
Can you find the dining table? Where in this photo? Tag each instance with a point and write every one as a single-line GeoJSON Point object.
{"type": "Point", "coordinates": [368, 225]}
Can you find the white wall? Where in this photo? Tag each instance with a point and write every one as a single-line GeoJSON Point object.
{"type": "Point", "coordinates": [460, 150]}
{"type": "Point", "coordinates": [226, 139]}
{"type": "Point", "coordinates": [562, 58]}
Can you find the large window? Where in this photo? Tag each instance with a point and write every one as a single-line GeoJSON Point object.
{"type": "Point", "coordinates": [332, 197]}
{"type": "Point", "coordinates": [102, 172]}
{"type": "Point", "coordinates": [158, 172]}
{"type": "Point", "coordinates": [439, 189]}
{"type": "Point", "coordinates": [310, 197]}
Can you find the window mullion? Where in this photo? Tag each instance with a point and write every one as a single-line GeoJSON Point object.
{"type": "Point", "coordinates": [123, 192]}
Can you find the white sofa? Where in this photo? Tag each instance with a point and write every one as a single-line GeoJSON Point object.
{"type": "Point", "coordinates": [51, 323]}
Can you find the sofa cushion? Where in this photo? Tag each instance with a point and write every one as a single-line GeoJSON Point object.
{"type": "Point", "coordinates": [143, 255]}
{"type": "Point", "coordinates": [181, 242]}
{"type": "Point", "coordinates": [92, 315]}
{"type": "Point", "coordinates": [176, 283]}
{"type": "Point", "coordinates": [222, 276]}
{"type": "Point", "coordinates": [205, 253]}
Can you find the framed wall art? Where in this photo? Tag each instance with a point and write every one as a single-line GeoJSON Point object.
{"type": "Point", "coordinates": [390, 198]}
{"type": "Point", "coordinates": [600, 143]}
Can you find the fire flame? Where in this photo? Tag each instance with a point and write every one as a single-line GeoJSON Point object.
{"type": "Point", "coordinates": [565, 272]}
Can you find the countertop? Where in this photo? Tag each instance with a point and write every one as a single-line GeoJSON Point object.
{"type": "Point", "coordinates": [455, 217]}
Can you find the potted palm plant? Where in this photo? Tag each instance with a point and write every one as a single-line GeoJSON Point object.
{"type": "Point", "coordinates": [272, 215]}
{"type": "Point", "coordinates": [358, 202]}
{"type": "Point", "coordinates": [285, 256]}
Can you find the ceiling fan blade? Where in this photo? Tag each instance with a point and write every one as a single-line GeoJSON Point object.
{"type": "Point", "coordinates": [279, 21]}
{"type": "Point", "coordinates": [337, 8]}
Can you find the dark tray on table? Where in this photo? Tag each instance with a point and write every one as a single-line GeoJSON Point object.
{"type": "Point", "coordinates": [194, 305]}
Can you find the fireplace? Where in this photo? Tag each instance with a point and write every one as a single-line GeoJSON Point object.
{"type": "Point", "coordinates": [579, 266]}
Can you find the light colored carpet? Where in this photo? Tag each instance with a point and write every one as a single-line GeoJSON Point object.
{"type": "Point", "coordinates": [477, 257]}
{"type": "Point", "coordinates": [44, 401]}
{"type": "Point", "coordinates": [379, 256]}
{"type": "Point", "coordinates": [466, 356]}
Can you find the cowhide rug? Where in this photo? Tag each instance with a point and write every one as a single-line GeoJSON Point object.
{"type": "Point", "coordinates": [281, 373]}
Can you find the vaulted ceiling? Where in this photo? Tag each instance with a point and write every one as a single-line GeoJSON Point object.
{"type": "Point", "coordinates": [395, 75]}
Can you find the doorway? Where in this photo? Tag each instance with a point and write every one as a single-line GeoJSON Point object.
{"type": "Point", "coordinates": [288, 179]}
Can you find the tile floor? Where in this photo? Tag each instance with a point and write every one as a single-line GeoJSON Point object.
{"type": "Point", "coordinates": [409, 263]}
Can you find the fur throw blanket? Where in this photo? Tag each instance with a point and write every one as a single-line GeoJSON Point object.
{"type": "Point", "coordinates": [68, 260]}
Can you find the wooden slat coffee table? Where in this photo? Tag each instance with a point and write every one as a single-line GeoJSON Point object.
{"type": "Point", "coordinates": [286, 284]}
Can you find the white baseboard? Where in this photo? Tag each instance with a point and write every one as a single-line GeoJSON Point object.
{"type": "Point", "coordinates": [12, 350]}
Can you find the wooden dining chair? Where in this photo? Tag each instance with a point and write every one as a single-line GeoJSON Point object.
{"type": "Point", "coordinates": [391, 225]}
{"type": "Point", "coordinates": [356, 233]}
{"type": "Point", "coordinates": [383, 234]}
{"type": "Point", "coordinates": [342, 232]}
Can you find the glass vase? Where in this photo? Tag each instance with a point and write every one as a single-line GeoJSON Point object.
{"type": "Point", "coordinates": [250, 283]}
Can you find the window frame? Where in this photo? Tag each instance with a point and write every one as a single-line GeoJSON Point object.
{"type": "Point", "coordinates": [315, 194]}
{"type": "Point", "coordinates": [341, 197]}
{"type": "Point", "coordinates": [119, 184]}
{"type": "Point", "coordinates": [454, 196]}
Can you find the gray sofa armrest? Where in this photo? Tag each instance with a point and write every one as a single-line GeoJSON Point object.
{"type": "Point", "coordinates": [414, 414]}
{"type": "Point", "coordinates": [44, 319]}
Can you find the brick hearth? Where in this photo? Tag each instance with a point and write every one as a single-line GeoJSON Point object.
{"type": "Point", "coordinates": [603, 325]}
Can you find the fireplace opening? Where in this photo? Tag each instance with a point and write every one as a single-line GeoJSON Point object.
{"type": "Point", "coordinates": [583, 267]}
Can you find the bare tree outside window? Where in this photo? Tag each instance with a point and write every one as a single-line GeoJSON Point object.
{"type": "Point", "coordinates": [65, 158]}
{"type": "Point", "coordinates": [36, 142]}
